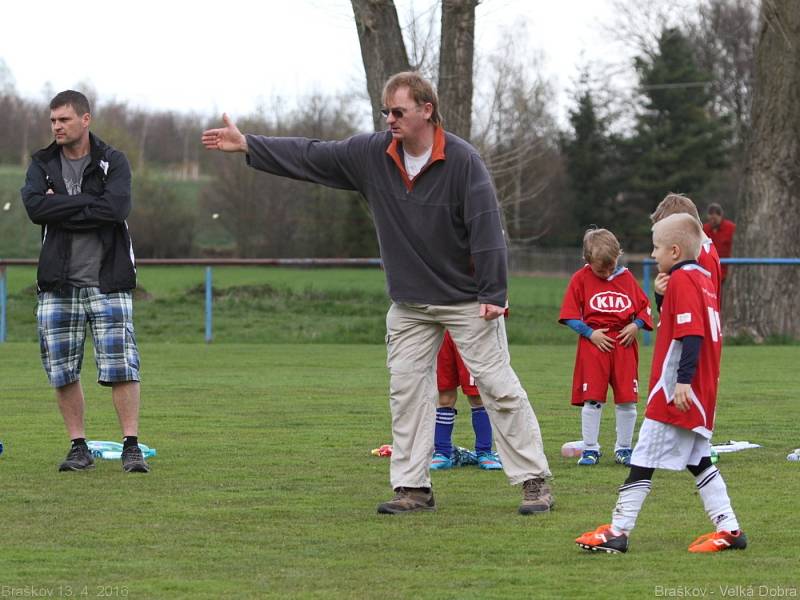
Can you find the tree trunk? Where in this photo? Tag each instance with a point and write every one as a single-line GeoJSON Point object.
{"type": "Point", "coordinates": [455, 65]}
{"type": "Point", "coordinates": [382, 48]}
{"type": "Point", "coordinates": [763, 300]}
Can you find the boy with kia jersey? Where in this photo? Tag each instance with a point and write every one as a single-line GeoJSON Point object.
{"type": "Point", "coordinates": [606, 307]}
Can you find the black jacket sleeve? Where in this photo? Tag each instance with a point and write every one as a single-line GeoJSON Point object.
{"type": "Point", "coordinates": [48, 209]}
{"type": "Point", "coordinates": [80, 211]}
{"type": "Point", "coordinates": [114, 204]}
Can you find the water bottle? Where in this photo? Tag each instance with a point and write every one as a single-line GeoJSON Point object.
{"type": "Point", "coordinates": [113, 450]}
{"type": "Point", "coordinates": [794, 456]}
{"type": "Point", "coordinates": [714, 456]}
{"type": "Point", "coordinates": [572, 449]}
{"type": "Point", "coordinates": [1, 447]}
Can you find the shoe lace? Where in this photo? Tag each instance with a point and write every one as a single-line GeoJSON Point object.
{"type": "Point", "coordinates": [133, 453]}
{"type": "Point", "coordinates": [76, 452]}
{"type": "Point", "coordinates": [531, 489]}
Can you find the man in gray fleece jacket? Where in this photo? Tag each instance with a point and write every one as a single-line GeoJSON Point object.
{"type": "Point", "coordinates": [444, 254]}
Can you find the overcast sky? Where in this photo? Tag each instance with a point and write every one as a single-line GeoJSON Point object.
{"type": "Point", "coordinates": [208, 56]}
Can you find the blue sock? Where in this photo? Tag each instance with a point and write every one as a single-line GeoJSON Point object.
{"type": "Point", "coordinates": [483, 429]}
{"type": "Point", "coordinates": [443, 433]}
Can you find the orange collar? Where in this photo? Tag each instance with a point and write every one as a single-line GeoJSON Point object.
{"type": "Point", "coordinates": [437, 154]}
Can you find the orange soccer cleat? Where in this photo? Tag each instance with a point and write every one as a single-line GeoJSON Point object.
{"type": "Point", "coordinates": [719, 541]}
{"type": "Point", "coordinates": [603, 539]}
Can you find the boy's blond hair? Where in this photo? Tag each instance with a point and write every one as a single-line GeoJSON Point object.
{"type": "Point", "coordinates": [601, 245]}
{"type": "Point", "coordinates": [675, 204]}
{"type": "Point", "coordinates": [683, 230]}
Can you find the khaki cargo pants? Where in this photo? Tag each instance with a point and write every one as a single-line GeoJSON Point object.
{"type": "Point", "coordinates": [414, 333]}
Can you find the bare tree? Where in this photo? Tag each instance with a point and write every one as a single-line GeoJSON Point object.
{"type": "Point", "coordinates": [455, 65]}
{"type": "Point", "coordinates": [764, 298]}
{"type": "Point", "coordinates": [383, 50]}
{"type": "Point", "coordinates": [517, 139]}
{"type": "Point", "coordinates": [724, 36]}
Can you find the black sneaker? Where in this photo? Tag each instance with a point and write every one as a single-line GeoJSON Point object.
{"type": "Point", "coordinates": [133, 460]}
{"type": "Point", "coordinates": [78, 459]}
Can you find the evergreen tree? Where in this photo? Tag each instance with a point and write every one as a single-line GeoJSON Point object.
{"type": "Point", "coordinates": [590, 168]}
{"type": "Point", "coordinates": [678, 143]}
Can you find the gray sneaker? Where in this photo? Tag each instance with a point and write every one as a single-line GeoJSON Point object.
{"type": "Point", "coordinates": [408, 500]}
{"type": "Point", "coordinates": [79, 458]}
{"type": "Point", "coordinates": [133, 460]}
{"type": "Point", "coordinates": [536, 497]}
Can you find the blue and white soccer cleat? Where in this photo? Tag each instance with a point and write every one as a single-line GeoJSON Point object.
{"type": "Point", "coordinates": [464, 457]}
{"type": "Point", "coordinates": [589, 458]}
{"type": "Point", "coordinates": [489, 461]}
{"type": "Point", "coordinates": [623, 456]}
{"type": "Point", "coordinates": [440, 462]}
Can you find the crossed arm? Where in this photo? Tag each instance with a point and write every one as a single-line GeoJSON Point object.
{"type": "Point", "coordinates": [82, 211]}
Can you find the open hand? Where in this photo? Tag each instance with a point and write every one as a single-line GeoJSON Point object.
{"type": "Point", "coordinates": [628, 334]}
{"type": "Point", "coordinates": [227, 139]}
{"type": "Point", "coordinates": [682, 399]}
{"type": "Point", "coordinates": [601, 340]}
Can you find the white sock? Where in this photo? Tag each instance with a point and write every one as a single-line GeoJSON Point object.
{"type": "Point", "coordinates": [590, 424]}
{"type": "Point", "coordinates": [626, 422]}
{"type": "Point", "coordinates": [629, 503]}
{"type": "Point", "coordinates": [716, 501]}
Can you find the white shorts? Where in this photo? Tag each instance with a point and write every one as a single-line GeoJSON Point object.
{"type": "Point", "coordinates": [663, 446]}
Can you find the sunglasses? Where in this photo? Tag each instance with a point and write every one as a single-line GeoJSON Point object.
{"type": "Point", "coordinates": [397, 113]}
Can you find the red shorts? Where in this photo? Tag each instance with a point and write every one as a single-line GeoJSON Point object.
{"type": "Point", "coordinates": [595, 370]}
{"type": "Point", "coordinates": [451, 371]}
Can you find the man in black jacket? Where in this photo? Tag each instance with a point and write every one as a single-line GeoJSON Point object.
{"type": "Point", "coordinates": [79, 190]}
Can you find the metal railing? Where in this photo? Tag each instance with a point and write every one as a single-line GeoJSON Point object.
{"type": "Point", "coordinates": [209, 263]}
{"type": "Point", "coordinates": [647, 264]}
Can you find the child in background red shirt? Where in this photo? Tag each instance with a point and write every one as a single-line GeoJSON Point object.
{"type": "Point", "coordinates": [606, 307]}
{"type": "Point", "coordinates": [676, 204]}
{"type": "Point", "coordinates": [679, 420]}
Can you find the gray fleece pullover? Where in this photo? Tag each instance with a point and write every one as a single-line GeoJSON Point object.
{"type": "Point", "coordinates": [440, 235]}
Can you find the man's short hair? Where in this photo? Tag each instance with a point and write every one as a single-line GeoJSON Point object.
{"type": "Point", "coordinates": [714, 209]}
{"type": "Point", "coordinates": [601, 245]}
{"type": "Point", "coordinates": [420, 89]}
{"type": "Point", "coordinates": [76, 100]}
{"type": "Point", "coordinates": [683, 230]}
{"type": "Point", "coordinates": [675, 204]}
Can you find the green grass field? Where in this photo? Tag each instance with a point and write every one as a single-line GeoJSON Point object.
{"type": "Point", "coordinates": [276, 305]}
{"type": "Point", "coordinates": [264, 487]}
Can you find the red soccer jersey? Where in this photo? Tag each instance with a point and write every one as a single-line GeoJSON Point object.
{"type": "Point", "coordinates": [690, 307]}
{"type": "Point", "coordinates": [612, 302]}
{"type": "Point", "coordinates": [709, 260]}
{"type": "Point", "coordinates": [722, 237]}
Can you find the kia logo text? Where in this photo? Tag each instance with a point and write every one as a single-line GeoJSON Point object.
{"type": "Point", "coordinates": [610, 302]}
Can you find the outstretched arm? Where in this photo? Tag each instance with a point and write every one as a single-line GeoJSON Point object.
{"type": "Point", "coordinates": [227, 139]}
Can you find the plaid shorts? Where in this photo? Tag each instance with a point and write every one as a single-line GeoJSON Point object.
{"type": "Point", "coordinates": [62, 332]}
